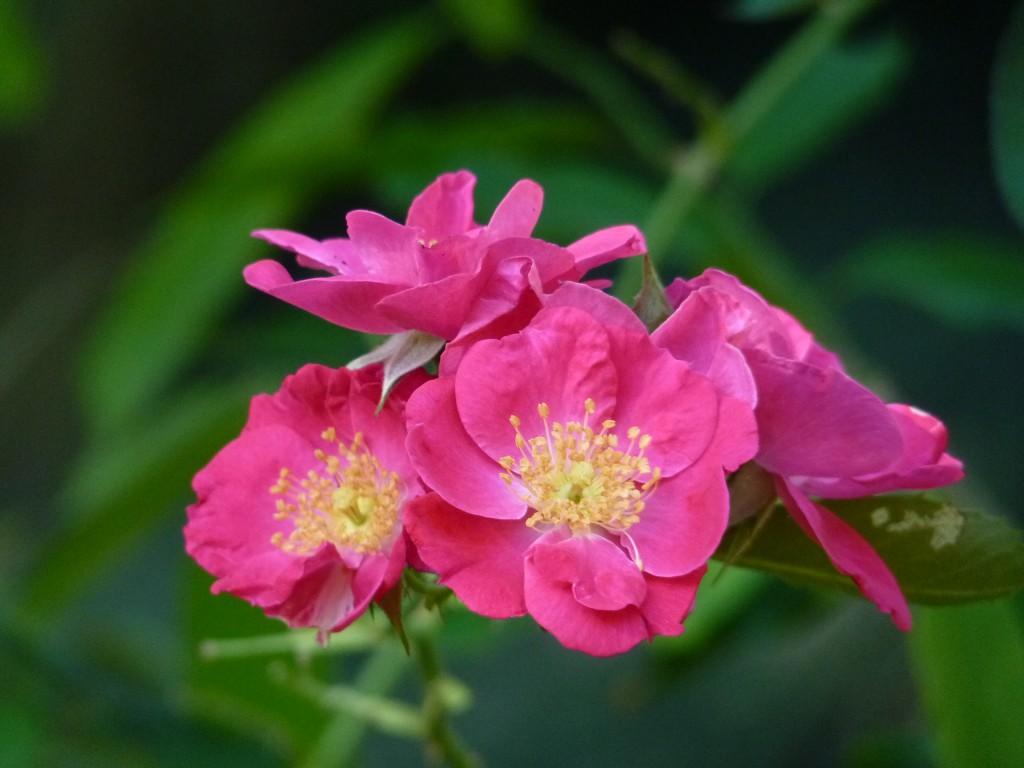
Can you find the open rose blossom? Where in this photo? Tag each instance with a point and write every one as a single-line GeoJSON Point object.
{"type": "Point", "coordinates": [821, 433]}
{"type": "Point", "coordinates": [440, 269]}
{"type": "Point", "coordinates": [578, 475]}
{"type": "Point", "coordinates": [301, 513]}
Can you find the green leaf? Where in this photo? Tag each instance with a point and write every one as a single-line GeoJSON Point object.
{"type": "Point", "coordinates": [821, 106]}
{"type": "Point", "coordinates": [414, 147]}
{"type": "Point", "coordinates": [761, 10]}
{"type": "Point", "coordinates": [494, 27]}
{"type": "Point", "coordinates": [184, 278]}
{"type": "Point", "coordinates": [969, 664]}
{"type": "Point", "coordinates": [1008, 115]}
{"type": "Point", "coordinates": [640, 126]}
{"type": "Point", "coordinates": [724, 234]}
{"type": "Point", "coordinates": [24, 75]}
{"type": "Point", "coordinates": [939, 554]}
{"type": "Point", "coordinates": [725, 595]}
{"type": "Point", "coordinates": [188, 273]}
{"type": "Point", "coordinates": [961, 279]}
{"type": "Point", "coordinates": [238, 693]}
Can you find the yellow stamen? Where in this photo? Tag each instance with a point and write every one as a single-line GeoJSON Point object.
{"type": "Point", "coordinates": [572, 475]}
{"type": "Point", "coordinates": [351, 501]}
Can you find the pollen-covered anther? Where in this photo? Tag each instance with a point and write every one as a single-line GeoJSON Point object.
{"type": "Point", "coordinates": [350, 500]}
{"type": "Point", "coordinates": [572, 475]}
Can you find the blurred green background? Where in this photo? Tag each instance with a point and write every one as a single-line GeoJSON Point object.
{"type": "Point", "coordinates": [861, 164]}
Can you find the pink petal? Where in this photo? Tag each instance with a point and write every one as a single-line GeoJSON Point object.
{"type": "Point", "coordinates": [695, 333]}
{"type": "Point", "coordinates": [819, 422]}
{"type": "Point", "coordinates": [384, 428]}
{"type": "Point", "coordinates": [480, 559]}
{"type": "Point", "coordinates": [330, 595]}
{"type": "Point", "coordinates": [449, 461]}
{"type": "Point", "coordinates": [388, 249]}
{"type": "Point", "coordinates": [232, 527]}
{"type": "Point", "coordinates": [669, 601]}
{"type": "Point", "coordinates": [675, 406]}
{"type": "Point", "coordinates": [848, 551]}
{"type": "Point", "coordinates": [682, 522]}
{"type": "Point", "coordinates": [465, 300]}
{"type": "Point", "coordinates": [731, 374]}
{"type": "Point", "coordinates": [303, 404]}
{"type": "Point", "coordinates": [262, 579]}
{"type": "Point", "coordinates": [602, 577]}
{"type": "Point", "coordinates": [506, 305]}
{"type": "Point", "coordinates": [435, 308]}
{"type": "Point", "coordinates": [605, 308]}
{"type": "Point", "coordinates": [607, 245]}
{"type": "Point", "coordinates": [552, 261]}
{"type": "Point", "coordinates": [599, 633]}
{"type": "Point", "coordinates": [803, 345]}
{"type": "Point", "coordinates": [736, 436]}
{"type": "Point", "coordinates": [343, 301]}
{"type": "Point", "coordinates": [677, 291]}
{"type": "Point", "coordinates": [445, 208]}
{"type": "Point", "coordinates": [336, 255]}
{"type": "Point", "coordinates": [517, 214]}
{"type": "Point", "coordinates": [924, 463]}
{"type": "Point", "coordinates": [560, 359]}
{"type": "Point", "coordinates": [232, 523]}
{"type": "Point", "coordinates": [369, 581]}
{"type": "Point", "coordinates": [290, 241]}
{"type": "Point", "coordinates": [323, 598]}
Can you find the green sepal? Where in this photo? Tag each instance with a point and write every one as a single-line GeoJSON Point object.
{"type": "Point", "coordinates": [401, 354]}
{"type": "Point", "coordinates": [650, 303]}
{"type": "Point", "coordinates": [391, 603]}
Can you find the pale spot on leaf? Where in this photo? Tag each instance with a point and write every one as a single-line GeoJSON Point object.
{"type": "Point", "coordinates": [945, 523]}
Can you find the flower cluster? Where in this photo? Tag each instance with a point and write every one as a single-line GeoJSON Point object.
{"type": "Point", "coordinates": [565, 462]}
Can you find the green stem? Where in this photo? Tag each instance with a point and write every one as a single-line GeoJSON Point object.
{"type": "Point", "coordinates": [678, 83]}
{"type": "Point", "coordinates": [441, 739]}
{"type": "Point", "coordinates": [801, 53]}
{"type": "Point", "coordinates": [360, 636]}
{"type": "Point", "coordinates": [340, 739]}
{"type": "Point", "coordinates": [695, 170]}
{"type": "Point", "coordinates": [613, 94]}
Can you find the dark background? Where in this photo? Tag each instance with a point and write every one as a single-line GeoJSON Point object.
{"type": "Point", "coordinates": [130, 97]}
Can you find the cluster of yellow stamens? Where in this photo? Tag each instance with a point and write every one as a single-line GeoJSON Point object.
{"type": "Point", "coordinates": [572, 475]}
{"type": "Point", "coordinates": [351, 502]}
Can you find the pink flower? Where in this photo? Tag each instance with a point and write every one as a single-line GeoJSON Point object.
{"type": "Point", "coordinates": [821, 432]}
{"type": "Point", "coordinates": [439, 270]}
{"type": "Point", "coordinates": [578, 475]}
{"type": "Point", "coordinates": [300, 514]}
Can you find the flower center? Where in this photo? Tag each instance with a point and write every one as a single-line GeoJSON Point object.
{"type": "Point", "coordinates": [572, 475]}
{"type": "Point", "coordinates": [351, 501]}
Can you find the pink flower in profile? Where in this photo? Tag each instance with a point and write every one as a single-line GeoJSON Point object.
{"type": "Point", "coordinates": [438, 270]}
{"type": "Point", "coordinates": [577, 475]}
{"type": "Point", "coordinates": [822, 433]}
{"type": "Point", "coordinates": [300, 514]}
